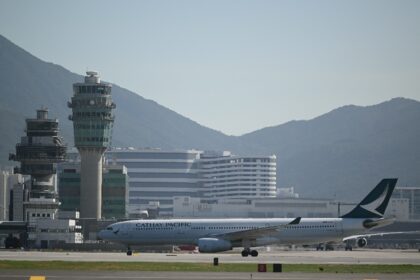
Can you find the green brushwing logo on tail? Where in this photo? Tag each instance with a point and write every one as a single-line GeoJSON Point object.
{"type": "Point", "coordinates": [375, 203]}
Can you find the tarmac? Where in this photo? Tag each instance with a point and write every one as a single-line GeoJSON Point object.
{"type": "Point", "coordinates": [285, 257]}
{"type": "Point", "coordinates": [127, 275]}
{"type": "Point", "coordinates": [319, 257]}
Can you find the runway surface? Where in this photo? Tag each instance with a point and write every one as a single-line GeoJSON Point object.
{"type": "Point", "coordinates": [318, 257]}
{"type": "Point", "coordinates": [71, 275]}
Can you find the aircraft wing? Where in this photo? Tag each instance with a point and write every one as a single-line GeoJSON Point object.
{"type": "Point", "coordinates": [256, 233]}
{"type": "Point", "coordinates": [380, 234]}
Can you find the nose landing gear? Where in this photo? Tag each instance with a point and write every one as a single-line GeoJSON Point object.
{"type": "Point", "coordinates": [129, 251]}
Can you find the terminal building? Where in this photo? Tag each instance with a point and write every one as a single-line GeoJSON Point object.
{"type": "Point", "coordinates": [157, 176]}
{"type": "Point", "coordinates": [276, 207]}
{"type": "Point", "coordinates": [187, 207]}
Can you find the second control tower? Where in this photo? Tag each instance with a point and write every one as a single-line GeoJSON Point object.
{"type": "Point", "coordinates": [93, 119]}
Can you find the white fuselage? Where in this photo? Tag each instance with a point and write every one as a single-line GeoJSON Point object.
{"type": "Point", "coordinates": [189, 231]}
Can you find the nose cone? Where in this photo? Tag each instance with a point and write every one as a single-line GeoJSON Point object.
{"type": "Point", "coordinates": [101, 234]}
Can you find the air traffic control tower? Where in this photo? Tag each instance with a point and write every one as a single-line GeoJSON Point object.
{"type": "Point", "coordinates": [38, 152]}
{"type": "Point", "coordinates": [93, 119]}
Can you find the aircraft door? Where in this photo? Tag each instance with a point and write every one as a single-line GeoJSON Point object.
{"type": "Point", "coordinates": [339, 228]}
{"type": "Point", "coordinates": [180, 231]}
{"type": "Point", "coordinates": [181, 234]}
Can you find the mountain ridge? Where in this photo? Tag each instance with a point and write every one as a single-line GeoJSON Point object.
{"type": "Point", "coordinates": [52, 85]}
{"type": "Point", "coordinates": [332, 142]}
{"type": "Point", "coordinates": [347, 150]}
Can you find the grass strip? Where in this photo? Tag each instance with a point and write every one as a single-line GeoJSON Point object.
{"type": "Point", "coordinates": [206, 267]}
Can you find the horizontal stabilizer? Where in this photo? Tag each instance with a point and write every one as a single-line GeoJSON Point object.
{"type": "Point", "coordinates": [378, 223]}
{"type": "Point", "coordinates": [403, 233]}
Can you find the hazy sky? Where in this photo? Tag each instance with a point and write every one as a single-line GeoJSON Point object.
{"type": "Point", "coordinates": [234, 66]}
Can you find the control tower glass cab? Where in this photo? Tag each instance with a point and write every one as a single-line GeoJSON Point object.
{"type": "Point", "coordinates": [92, 113]}
{"type": "Point", "coordinates": [92, 116]}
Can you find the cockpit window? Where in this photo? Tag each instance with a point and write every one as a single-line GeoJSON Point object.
{"type": "Point", "coordinates": [109, 228]}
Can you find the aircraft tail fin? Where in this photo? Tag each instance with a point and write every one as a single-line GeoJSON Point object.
{"type": "Point", "coordinates": [375, 203]}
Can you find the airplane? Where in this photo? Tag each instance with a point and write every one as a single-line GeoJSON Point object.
{"type": "Point", "coordinates": [218, 235]}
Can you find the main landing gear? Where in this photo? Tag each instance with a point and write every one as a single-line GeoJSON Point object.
{"type": "Point", "coordinates": [327, 247]}
{"type": "Point", "coordinates": [129, 252]}
{"type": "Point", "coordinates": [349, 246]}
{"type": "Point", "coordinates": [247, 251]}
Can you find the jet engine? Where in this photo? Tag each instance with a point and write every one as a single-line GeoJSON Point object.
{"type": "Point", "coordinates": [213, 245]}
{"type": "Point", "coordinates": [361, 242]}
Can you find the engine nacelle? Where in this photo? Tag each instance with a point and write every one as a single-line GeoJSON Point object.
{"type": "Point", "coordinates": [361, 242]}
{"type": "Point", "coordinates": [213, 245]}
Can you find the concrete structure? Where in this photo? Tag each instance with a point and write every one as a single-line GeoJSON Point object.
{"type": "Point", "coordinates": [114, 189]}
{"type": "Point", "coordinates": [279, 207]}
{"type": "Point", "coordinates": [74, 215]}
{"type": "Point", "coordinates": [7, 181]}
{"type": "Point", "coordinates": [48, 232]}
{"type": "Point", "coordinates": [399, 208]}
{"type": "Point", "coordinates": [190, 207]}
{"type": "Point", "coordinates": [413, 196]}
{"type": "Point", "coordinates": [18, 196]}
{"type": "Point", "coordinates": [228, 176]}
{"type": "Point", "coordinates": [38, 152]}
{"type": "Point", "coordinates": [287, 193]}
{"type": "Point", "coordinates": [115, 192]}
{"type": "Point", "coordinates": [4, 196]}
{"type": "Point", "coordinates": [92, 122]}
{"type": "Point", "coordinates": [156, 176]}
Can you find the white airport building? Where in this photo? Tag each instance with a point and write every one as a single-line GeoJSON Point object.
{"type": "Point", "coordinates": [189, 207]}
{"type": "Point", "coordinates": [193, 207]}
{"type": "Point", "coordinates": [227, 176]}
{"type": "Point", "coordinates": [157, 176]}
{"type": "Point", "coordinates": [411, 197]}
{"type": "Point", "coordinates": [48, 232]}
